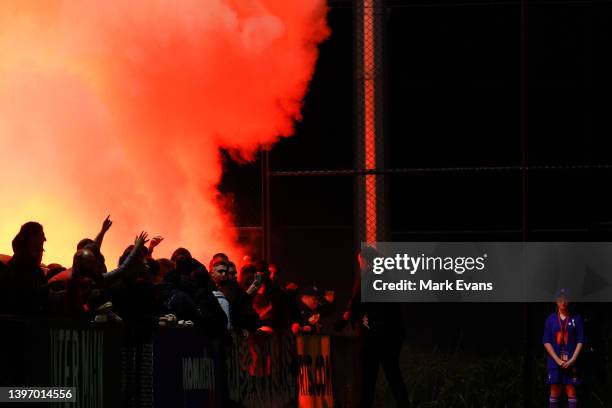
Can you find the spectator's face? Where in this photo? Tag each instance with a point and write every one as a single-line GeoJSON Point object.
{"type": "Point", "coordinates": [36, 248]}
{"type": "Point", "coordinates": [273, 272]}
{"type": "Point", "coordinates": [220, 272]}
{"type": "Point", "coordinates": [216, 260]}
{"type": "Point", "coordinates": [233, 273]}
{"type": "Point", "coordinates": [310, 301]}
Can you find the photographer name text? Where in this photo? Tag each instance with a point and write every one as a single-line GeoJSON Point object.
{"type": "Point", "coordinates": [431, 285]}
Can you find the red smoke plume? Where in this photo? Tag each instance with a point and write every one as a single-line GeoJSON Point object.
{"type": "Point", "coordinates": [121, 107]}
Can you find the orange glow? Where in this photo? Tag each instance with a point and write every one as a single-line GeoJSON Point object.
{"type": "Point", "coordinates": [114, 107]}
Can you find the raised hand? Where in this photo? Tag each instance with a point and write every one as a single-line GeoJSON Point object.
{"type": "Point", "coordinates": [105, 227]}
{"type": "Point", "coordinates": [106, 224]}
{"type": "Point", "coordinates": [155, 241]}
{"type": "Point", "coordinates": [141, 239]}
{"type": "Point", "coordinates": [314, 319]}
{"type": "Point", "coordinates": [254, 287]}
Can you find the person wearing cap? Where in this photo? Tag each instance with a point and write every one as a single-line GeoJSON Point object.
{"type": "Point", "coordinates": [312, 307]}
{"type": "Point", "coordinates": [563, 340]}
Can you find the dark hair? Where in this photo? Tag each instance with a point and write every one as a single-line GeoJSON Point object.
{"type": "Point", "coordinates": [85, 241]}
{"type": "Point", "coordinates": [248, 268]}
{"type": "Point", "coordinates": [79, 270]}
{"type": "Point", "coordinates": [216, 259]}
{"type": "Point", "coordinates": [310, 291]}
{"type": "Point", "coordinates": [201, 278]}
{"type": "Point", "coordinates": [262, 266]}
{"type": "Point", "coordinates": [93, 247]}
{"type": "Point", "coordinates": [220, 255]}
{"type": "Point", "coordinates": [180, 252]}
{"type": "Point", "coordinates": [54, 269]}
{"type": "Point", "coordinates": [27, 231]}
{"type": "Point", "coordinates": [219, 262]}
{"type": "Point", "coordinates": [143, 252]}
{"type": "Point", "coordinates": [55, 266]}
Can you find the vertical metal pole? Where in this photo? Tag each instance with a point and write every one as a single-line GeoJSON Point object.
{"type": "Point", "coordinates": [265, 204]}
{"type": "Point", "coordinates": [369, 135]}
{"type": "Point", "coordinates": [369, 120]}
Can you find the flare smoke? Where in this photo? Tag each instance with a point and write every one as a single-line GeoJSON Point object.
{"type": "Point", "coordinates": [121, 107]}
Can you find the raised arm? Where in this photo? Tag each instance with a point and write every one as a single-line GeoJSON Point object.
{"type": "Point", "coordinates": [105, 227]}
{"type": "Point", "coordinates": [155, 241]}
{"type": "Point", "coordinates": [120, 272]}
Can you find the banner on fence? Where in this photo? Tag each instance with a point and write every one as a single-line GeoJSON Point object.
{"type": "Point", "coordinates": [174, 367]}
{"type": "Point", "coordinates": [315, 372]}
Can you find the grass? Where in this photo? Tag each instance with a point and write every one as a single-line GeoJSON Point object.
{"type": "Point", "coordinates": [437, 379]}
{"type": "Point", "coordinates": [461, 379]}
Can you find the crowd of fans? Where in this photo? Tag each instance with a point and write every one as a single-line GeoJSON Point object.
{"type": "Point", "coordinates": [142, 290]}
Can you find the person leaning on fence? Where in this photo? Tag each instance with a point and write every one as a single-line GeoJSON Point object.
{"type": "Point", "coordinates": [91, 289]}
{"type": "Point", "coordinates": [563, 340]}
{"type": "Point", "coordinates": [312, 306]}
{"type": "Point", "coordinates": [242, 315]}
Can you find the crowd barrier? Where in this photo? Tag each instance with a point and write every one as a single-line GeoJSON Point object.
{"type": "Point", "coordinates": [178, 367]}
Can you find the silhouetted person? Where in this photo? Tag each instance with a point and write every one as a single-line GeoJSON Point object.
{"type": "Point", "coordinates": [187, 293]}
{"type": "Point", "coordinates": [241, 313]}
{"type": "Point", "coordinates": [380, 333]}
{"type": "Point", "coordinates": [270, 301]}
{"type": "Point", "coordinates": [60, 278]}
{"type": "Point", "coordinates": [312, 306]}
{"type": "Point", "coordinates": [91, 285]}
{"type": "Point", "coordinates": [84, 286]}
{"type": "Point", "coordinates": [211, 313]}
{"type": "Point", "coordinates": [132, 291]}
{"type": "Point", "coordinates": [23, 283]}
